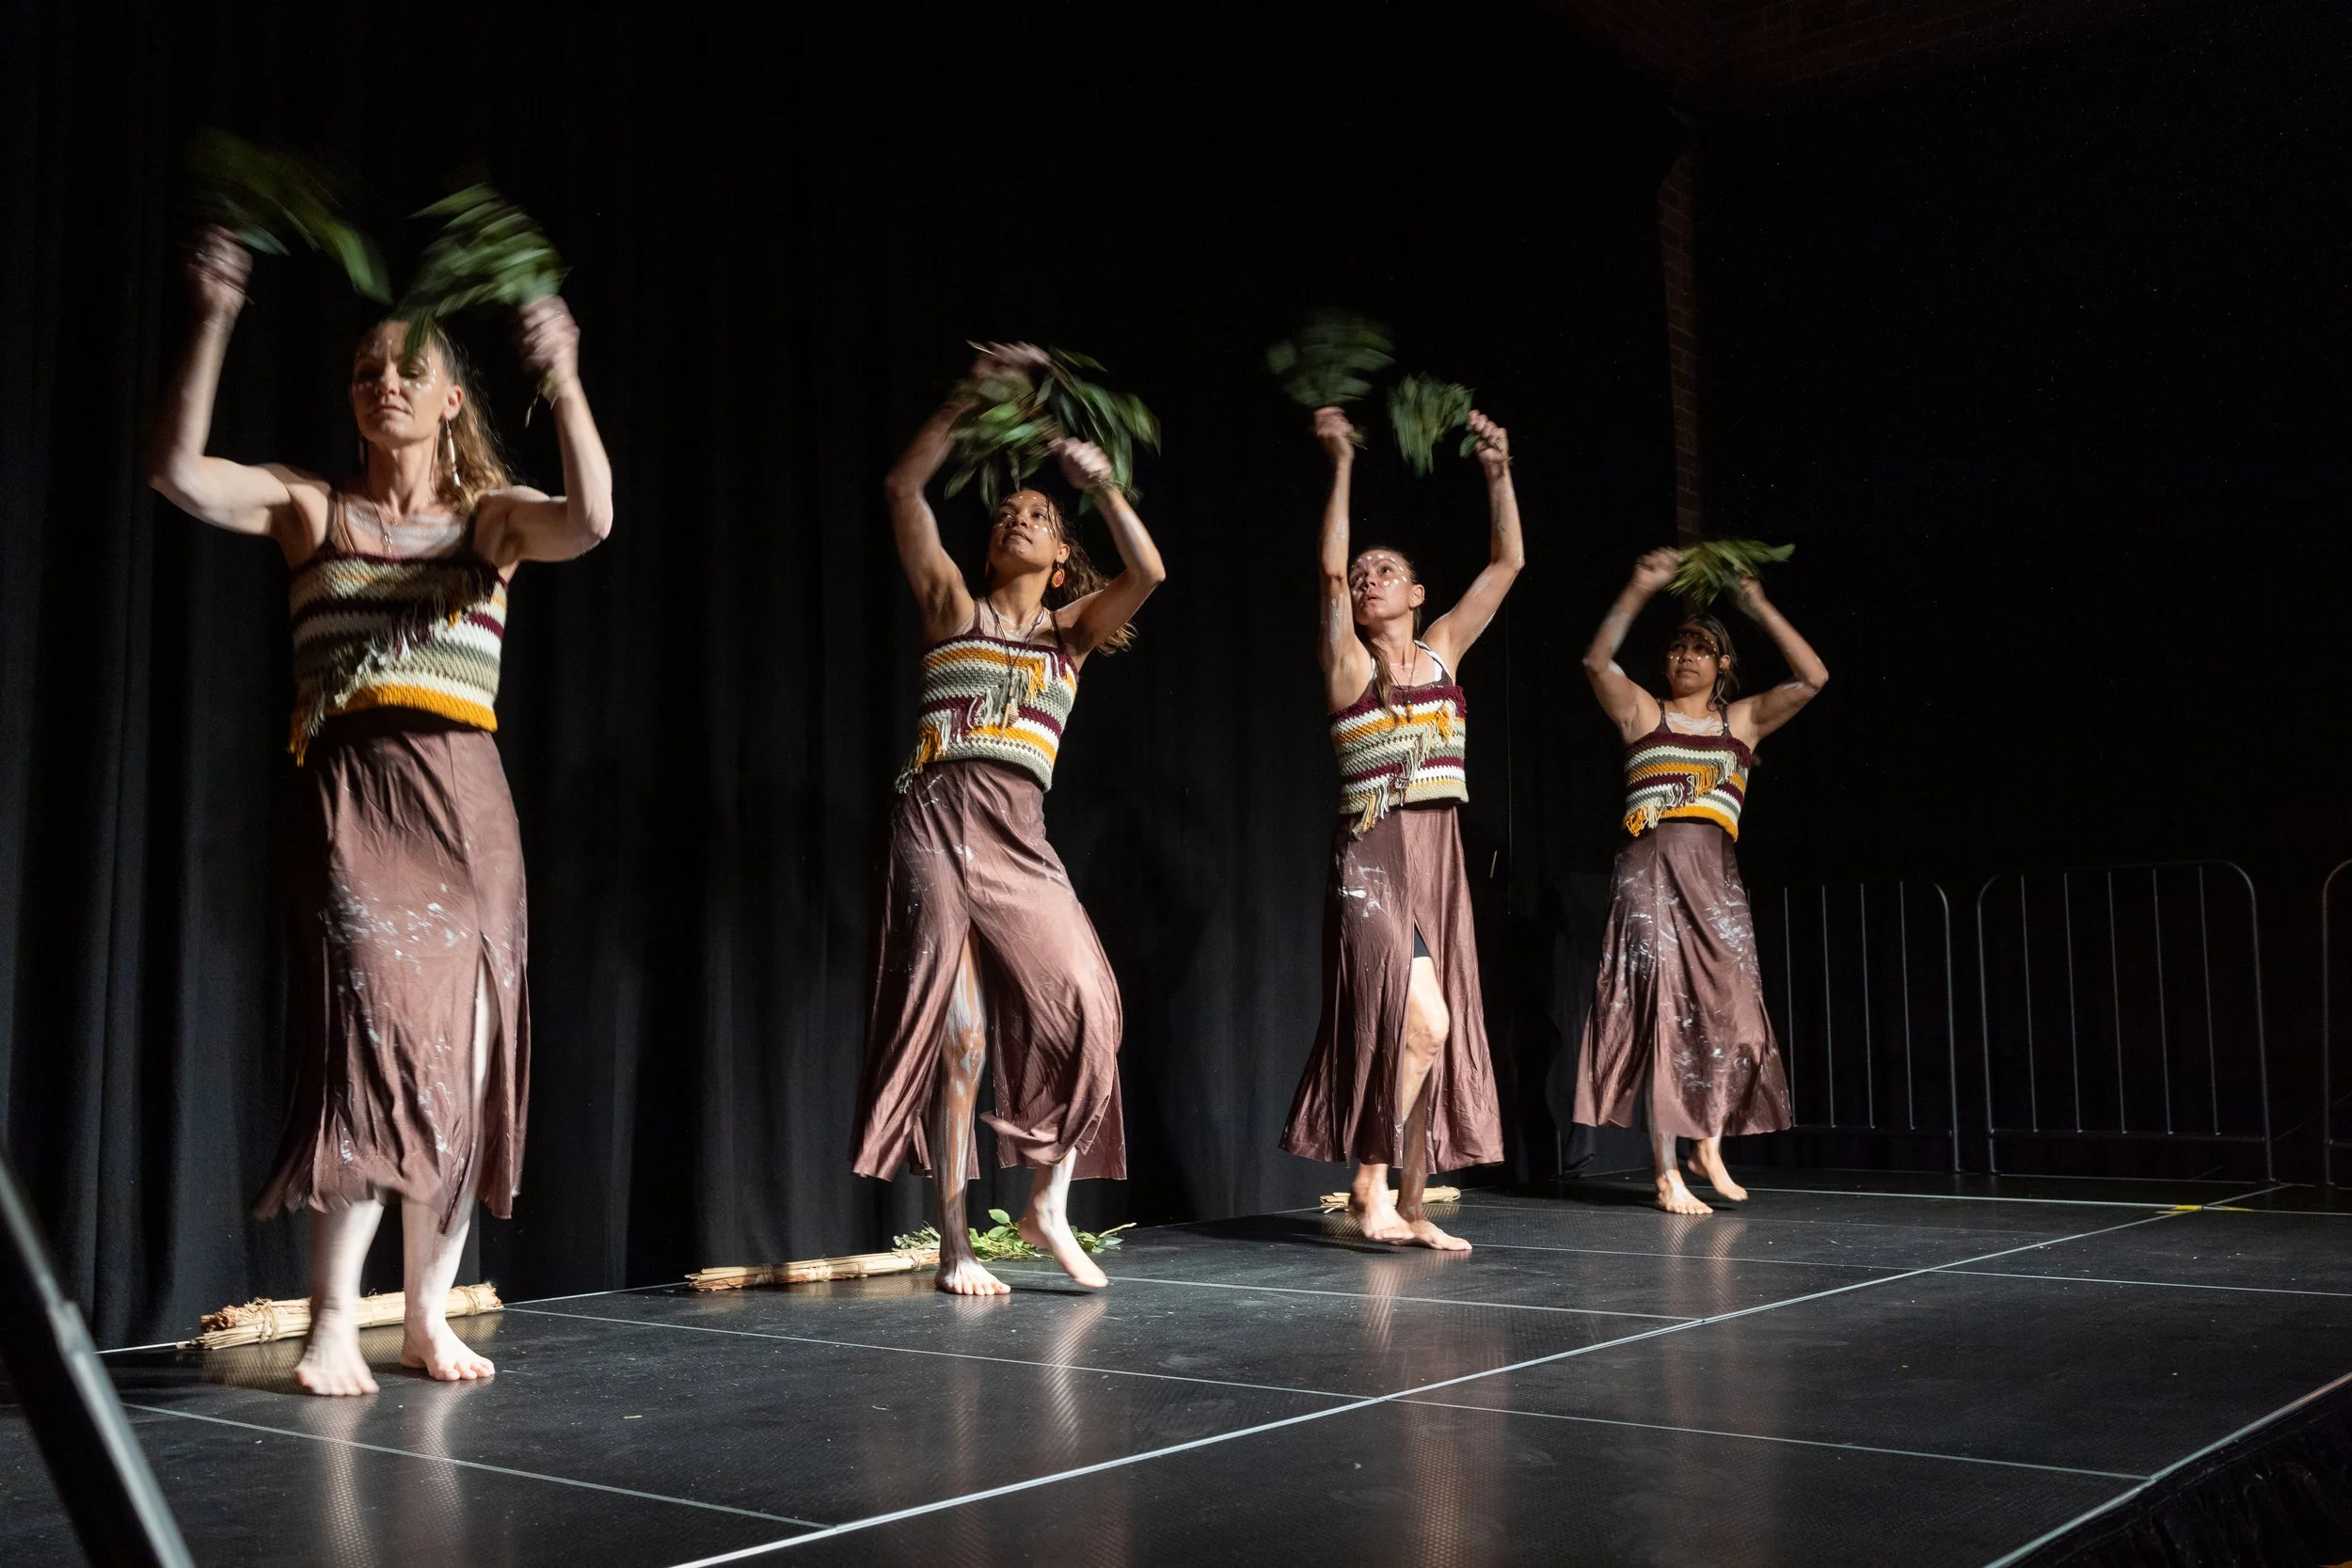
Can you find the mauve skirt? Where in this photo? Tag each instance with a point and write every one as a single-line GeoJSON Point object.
{"type": "Point", "coordinates": [968, 861]}
{"type": "Point", "coordinates": [407, 873]}
{"type": "Point", "coordinates": [1678, 1009]}
{"type": "Point", "coordinates": [1405, 873]}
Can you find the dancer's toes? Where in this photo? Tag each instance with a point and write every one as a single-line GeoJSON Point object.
{"type": "Point", "coordinates": [1428, 1235]}
{"type": "Point", "coordinates": [1379, 1221]}
{"type": "Point", "coordinates": [331, 1363]}
{"type": "Point", "coordinates": [1056, 1237]}
{"type": "Point", "coordinates": [1676, 1198]}
{"type": "Point", "coordinates": [441, 1355]}
{"type": "Point", "coordinates": [1717, 1177]}
{"type": "Point", "coordinates": [967, 1278]}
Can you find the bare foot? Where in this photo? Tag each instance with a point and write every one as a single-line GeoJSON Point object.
{"type": "Point", "coordinates": [1377, 1218]}
{"type": "Point", "coordinates": [1428, 1235]}
{"type": "Point", "coordinates": [440, 1354]}
{"type": "Point", "coordinates": [1676, 1198]}
{"type": "Point", "coordinates": [965, 1277]}
{"type": "Point", "coordinates": [331, 1363]}
{"type": "Point", "coordinates": [1053, 1235]}
{"type": "Point", "coordinates": [1708, 1168]}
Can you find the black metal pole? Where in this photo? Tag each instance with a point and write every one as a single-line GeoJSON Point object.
{"type": "Point", "coordinates": [101, 1475]}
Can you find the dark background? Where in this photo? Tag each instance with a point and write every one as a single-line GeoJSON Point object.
{"type": "Point", "coordinates": [2041, 363]}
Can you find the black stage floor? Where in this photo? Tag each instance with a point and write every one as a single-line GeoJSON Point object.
{"type": "Point", "coordinates": [1855, 1369]}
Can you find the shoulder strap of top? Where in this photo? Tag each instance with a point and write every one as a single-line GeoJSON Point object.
{"type": "Point", "coordinates": [338, 520]}
{"type": "Point", "coordinates": [1444, 675]}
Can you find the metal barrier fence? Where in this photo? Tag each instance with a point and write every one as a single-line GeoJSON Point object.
{"type": "Point", "coordinates": [2125, 968]}
{"type": "Point", "coordinates": [2328, 1142]}
{"type": "Point", "coordinates": [1858, 981]}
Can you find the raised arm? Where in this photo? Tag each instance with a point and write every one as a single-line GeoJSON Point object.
{"type": "Point", "coordinates": [1754, 717]}
{"type": "Point", "coordinates": [1101, 613]}
{"type": "Point", "coordinates": [523, 524]}
{"type": "Point", "coordinates": [1450, 635]}
{"type": "Point", "coordinates": [939, 591]}
{"type": "Point", "coordinates": [242, 498]}
{"type": "Point", "coordinates": [1346, 663]}
{"type": "Point", "coordinates": [1633, 710]}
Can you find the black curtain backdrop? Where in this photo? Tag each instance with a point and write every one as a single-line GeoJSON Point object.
{"type": "Point", "coordinates": [2040, 366]}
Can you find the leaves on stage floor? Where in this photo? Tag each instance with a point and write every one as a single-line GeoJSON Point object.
{"type": "Point", "coordinates": [1004, 1240]}
{"type": "Point", "coordinates": [1713, 567]}
{"type": "Point", "coordinates": [272, 200]}
{"type": "Point", "coordinates": [1331, 361]}
{"type": "Point", "coordinates": [1017, 415]}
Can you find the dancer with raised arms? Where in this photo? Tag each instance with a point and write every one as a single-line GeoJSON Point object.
{"type": "Point", "coordinates": [983, 940]}
{"type": "Point", "coordinates": [1399, 1075]}
{"type": "Point", "coordinates": [410, 1033]}
{"type": "Point", "coordinates": [1678, 1021]}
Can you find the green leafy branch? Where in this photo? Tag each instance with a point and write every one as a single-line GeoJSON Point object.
{"type": "Point", "coordinates": [272, 199]}
{"type": "Point", "coordinates": [488, 252]}
{"type": "Point", "coordinates": [1331, 361]}
{"type": "Point", "coordinates": [1713, 567]}
{"type": "Point", "coordinates": [1016, 416]}
{"type": "Point", "coordinates": [1423, 411]}
{"type": "Point", "coordinates": [1003, 1239]}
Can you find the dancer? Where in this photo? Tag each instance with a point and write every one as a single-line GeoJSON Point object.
{"type": "Point", "coordinates": [410, 1029]}
{"type": "Point", "coordinates": [1399, 1075]}
{"type": "Point", "coordinates": [983, 939]}
{"type": "Point", "coordinates": [1678, 1015]}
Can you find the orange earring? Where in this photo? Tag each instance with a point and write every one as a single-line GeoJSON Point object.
{"type": "Point", "coordinates": [1057, 574]}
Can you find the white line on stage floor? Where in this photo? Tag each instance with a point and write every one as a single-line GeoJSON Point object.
{"type": "Point", "coordinates": [951, 1355]}
{"type": "Point", "coordinates": [469, 1463]}
{"type": "Point", "coordinates": [919, 1510]}
{"type": "Point", "coordinates": [1367, 1295]}
{"type": "Point", "coordinates": [2152, 1284]}
{"type": "Point", "coordinates": [2175, 1467]}
{"type": "Point", "coordinates": [1773, 1437]}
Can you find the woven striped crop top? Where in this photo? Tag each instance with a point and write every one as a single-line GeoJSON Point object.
{"type": "Point", "coordinates": [990, 699]}
{"type": "Point", "coordinates": [1670, 776]}
{"type": "Point", "coordinates": [380, 631]}
{"type": "Point", "coordinates": [1407, 753]}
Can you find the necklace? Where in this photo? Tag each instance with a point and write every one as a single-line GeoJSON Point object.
{"type": "Point", "coordinates": [1019, 683]}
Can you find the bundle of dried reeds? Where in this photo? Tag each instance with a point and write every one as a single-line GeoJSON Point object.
{"type": "Point", "coordinates": [811, 1271]}
{"type": "Point", "coordinates": [261, 1320]}
{"type": "Point", "coordinates": [1428, 1195]}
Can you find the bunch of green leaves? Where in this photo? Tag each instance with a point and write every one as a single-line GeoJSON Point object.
{"type": "Point", "coordinates": [1016, 416]}
{"type": "Point", "coordinates": [1003, 1239]}
{"type": "Point", "coordinates": [1329, 363]}
{"type": "Point", "coordinates": [488, 252]}
{"type": "Point", "coordinates": [271, 200]}
{"type": "Point", "coordinates": [1423, 411]}
{"type": "Point", "coordinates": [1713, 567]}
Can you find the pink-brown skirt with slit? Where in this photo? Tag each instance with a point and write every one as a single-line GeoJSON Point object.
{"type": "Point", "coordinates": [407, 899]}
{"type": "Point", "coordinates": [968, 861]}
{"type": "Point", "coordinates": [1405, 873]}
{"type": "Point", "coordinates": [1678, 1012]}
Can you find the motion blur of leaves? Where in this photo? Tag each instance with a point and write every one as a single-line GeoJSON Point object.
{"type": "Point", "coordinates": [1016, 418]}
{"type": "Point", "coordinates": [488, 252]}
{"type": "Point", "coordinates": [272, 199]}
{"type": "Point", "coordinates": [1713, 567]}
{"type": "Point", "coordinates": [1423, 411]}
{"type": "Point", "coordinates": [1004, 1240]}
{"type": "Point", "coordinates": [1329, 362]}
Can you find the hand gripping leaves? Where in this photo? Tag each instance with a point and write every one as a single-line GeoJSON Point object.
{"type": "Point", "coordinates": [272, 199]}
{"type": "Point", "coordinates": [488, 252]}
{"type": "Point", "coordinates": [1329, 363]}
{"type": "Point", "coordinates": [1017, 415]}
{"type": "Point", "coordinates": [1713, 567]}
